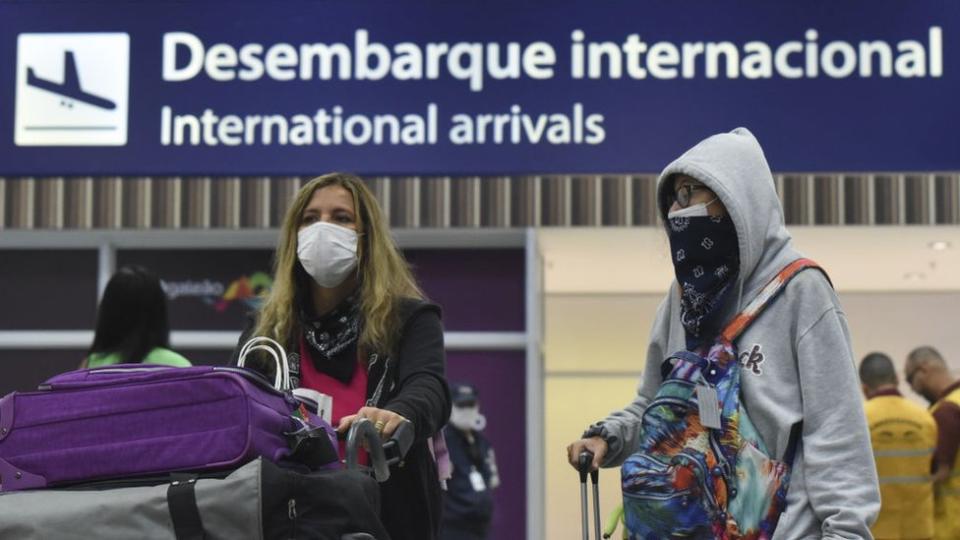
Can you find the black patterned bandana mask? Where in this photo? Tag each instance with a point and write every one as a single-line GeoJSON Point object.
{"type": "Point", "coordinates": [333, 339]}
{"type": "Point", "coordinates": [706, 259]}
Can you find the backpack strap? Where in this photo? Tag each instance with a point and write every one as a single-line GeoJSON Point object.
{"type": "Point", "coordinates": [768, 293]}
{"type": "Point", "coordinates": [754, 309]}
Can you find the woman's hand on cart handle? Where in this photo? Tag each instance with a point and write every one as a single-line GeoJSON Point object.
{"type": "Point", "coordinates": [385, 421]}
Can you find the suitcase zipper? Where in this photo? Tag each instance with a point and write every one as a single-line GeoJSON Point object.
{"type": "Point", "coordinates": [102, 371]}
{"type": "Point", "coordinates": [249, 375]}
{"type": "Point", "coordinates": [46, 387]}
{"type": "Point", "coordinates": [142, 481]}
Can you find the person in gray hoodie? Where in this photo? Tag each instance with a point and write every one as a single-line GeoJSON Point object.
{"type": "Point", "coordinates": [797, 360]}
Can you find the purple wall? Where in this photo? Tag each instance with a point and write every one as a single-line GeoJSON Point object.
{"type": "Point", "coordinates": [479, 289]}
{"type": "Point", "coordinates": [499, 379]}
{"type": "Point", "coordinates": [483, 290]}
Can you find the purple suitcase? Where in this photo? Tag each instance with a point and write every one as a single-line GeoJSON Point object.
{"type": "Point", "coordinates": [140, 419]}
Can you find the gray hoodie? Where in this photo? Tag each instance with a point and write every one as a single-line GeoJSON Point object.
{"type": "Point", "coordinates": [798, 363]}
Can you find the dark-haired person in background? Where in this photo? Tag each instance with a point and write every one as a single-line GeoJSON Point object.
{"type": "Point", "coordinates": [132, 324]}
{"type": "Point", "coordinates": [903, 436]}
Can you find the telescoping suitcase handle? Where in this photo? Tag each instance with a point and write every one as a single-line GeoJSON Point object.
{"type": "Point", "coordinates": [583, 466]}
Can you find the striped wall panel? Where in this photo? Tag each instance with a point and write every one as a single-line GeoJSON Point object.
{"type": "Point", "coordinates": [462, 202]}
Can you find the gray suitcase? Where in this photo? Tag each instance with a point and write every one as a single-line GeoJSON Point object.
{"type": "Point", "coordinates": [226, 506]}
{"type": "Point", "coordinates": [257, 501]}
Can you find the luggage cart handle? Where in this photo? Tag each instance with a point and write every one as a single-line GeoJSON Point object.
{"type": "Point", "coordinates": [382, 454]}
{"type": "Point", "coordinates": [399, 443]}
{"type": "Point", "coordinates": [364, 430]}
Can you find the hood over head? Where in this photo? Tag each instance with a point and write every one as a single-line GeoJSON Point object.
{"type": "Point", "coordinates": [733, 166]}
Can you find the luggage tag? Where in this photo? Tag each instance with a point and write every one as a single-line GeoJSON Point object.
{"type": "Point", "coordinates": [325, 408]}
{"type": "Point", "coordinates": [476, 480]}
{"type": "Point", "coordinates": [323, 401]}
{"type": "Point", "coordinates": [709, 406]}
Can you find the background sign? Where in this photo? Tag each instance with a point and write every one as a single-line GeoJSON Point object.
{"type": "Point", "coordinates": [472, 87]}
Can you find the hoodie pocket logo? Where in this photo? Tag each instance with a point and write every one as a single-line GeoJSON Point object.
{"type": "Point", "coordinates": [751, 360]}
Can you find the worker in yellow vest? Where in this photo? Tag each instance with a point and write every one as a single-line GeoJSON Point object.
{"type": "Point", "coordinates": [903, 435]}
{"type": "Point", "coordinates": [928, 375]}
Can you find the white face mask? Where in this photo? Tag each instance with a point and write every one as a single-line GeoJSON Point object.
{"type": "Point", "coordinates": [468, 418]}
{"type": "Point", "coordinates": [697, 210]}
{"type": "Point", "coordinates": [327, 252]}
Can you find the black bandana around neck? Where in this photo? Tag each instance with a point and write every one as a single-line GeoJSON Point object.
{"type": "Point", "coordinates": [706, 259]}
{"type": "Point", "coordinates": [332, 339]}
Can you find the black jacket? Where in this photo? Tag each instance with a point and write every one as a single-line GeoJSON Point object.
{"type": "Point", "coordinates": [411, 382]}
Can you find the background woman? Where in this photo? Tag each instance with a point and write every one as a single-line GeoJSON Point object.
{"type": "Point", "coordinates": [132, 323]}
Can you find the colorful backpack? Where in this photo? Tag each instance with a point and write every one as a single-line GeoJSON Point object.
{"type": "Point", "coordinates": [701, 470]}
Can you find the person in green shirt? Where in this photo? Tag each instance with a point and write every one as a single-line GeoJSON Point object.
{"type": "Point", "coordinates": [132, 324]}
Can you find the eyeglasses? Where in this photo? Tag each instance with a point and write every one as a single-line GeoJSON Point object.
{"type": "Point", "coordinates": [685, 193]}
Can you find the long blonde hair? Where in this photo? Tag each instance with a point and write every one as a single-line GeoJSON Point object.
{"type": "Point", "coordinates": [385, 277]}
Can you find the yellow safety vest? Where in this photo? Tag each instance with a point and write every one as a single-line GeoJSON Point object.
{"type": "Point", "coordinates": [947, 494]}
{"type": "Point", "coordinates": [903, 436]}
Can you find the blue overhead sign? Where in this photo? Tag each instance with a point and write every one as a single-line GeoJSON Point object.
{"type": "Point", "coordinates": [472, 87]}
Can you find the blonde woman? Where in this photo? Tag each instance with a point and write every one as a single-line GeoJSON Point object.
{"type": "Point", "coordinates": [356, 327]}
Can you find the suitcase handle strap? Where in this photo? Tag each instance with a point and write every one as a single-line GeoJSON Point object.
{"type": "Point", "coordinates": [182, 502]}
{"type": "Point", "coordinates": [282, 379]}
